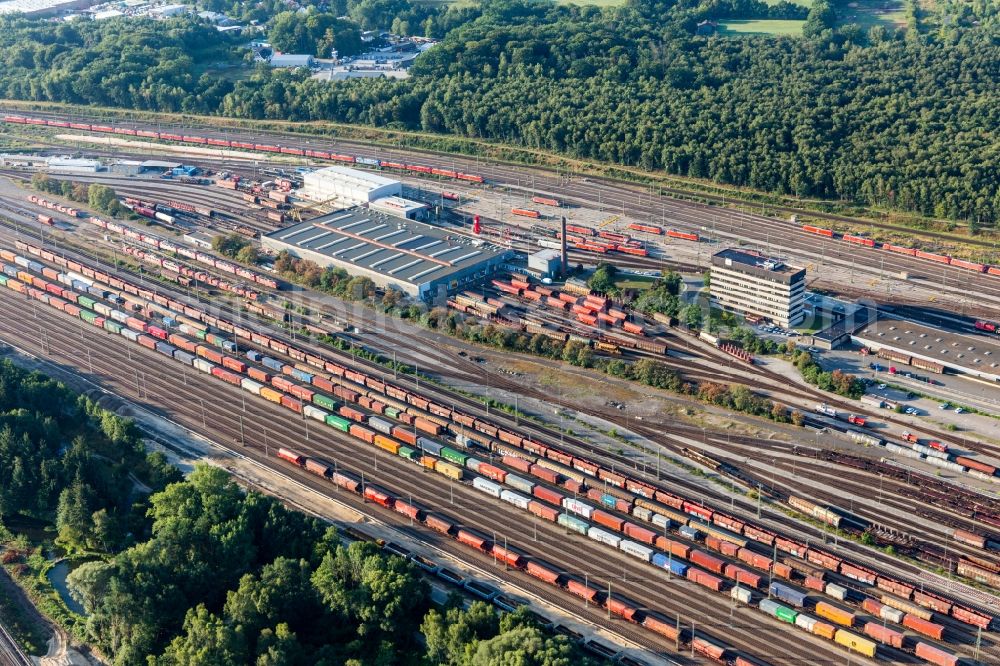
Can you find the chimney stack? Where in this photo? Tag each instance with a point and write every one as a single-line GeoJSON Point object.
{"type": "Point", "coordinates": [564, 257]}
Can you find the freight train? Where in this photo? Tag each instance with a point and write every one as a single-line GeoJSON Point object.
{"type": "Point", "coordinates": [646, 500]}
{"type": "Point", "coordinates": [260, 147]}
{"type": "Point", "coordinates": [195, 255]}
{"type": "Point", "coordinates": [908, 251]}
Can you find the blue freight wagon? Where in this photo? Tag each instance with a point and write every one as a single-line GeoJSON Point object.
{"type": "Point", "coordinates": [788, 594]}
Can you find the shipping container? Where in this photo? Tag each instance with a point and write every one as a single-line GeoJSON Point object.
{"type": "Point", "coordinates": [935, 655]}
{"type": "Point", "coordinates": [830, 612]}
{"type": "Point", "coordinates": [855, 643]}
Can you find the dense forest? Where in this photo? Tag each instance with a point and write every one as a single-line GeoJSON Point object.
{"type": "Point", "coordinates": [199, 572]}
{"type": "Point", "coordinates": [899, 119]}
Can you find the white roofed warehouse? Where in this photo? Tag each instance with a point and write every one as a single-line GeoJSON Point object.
{"type": "Point", "coordinates": [349, 187]}
{"type": "Point", "coordinates": [420, 260]}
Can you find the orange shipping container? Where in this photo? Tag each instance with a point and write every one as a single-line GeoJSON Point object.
{"type": "Point", "coordinates": [831, 612]}
{"type": "Point", "coordinates": [825, 630]}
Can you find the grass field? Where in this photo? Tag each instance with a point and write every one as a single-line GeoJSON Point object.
{"type": "Point", "coordinates": [870, 13]}
{"type": "Point", "coordinates": [761, 27]}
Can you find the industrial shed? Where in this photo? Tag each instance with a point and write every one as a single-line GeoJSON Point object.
{"type": "Point", "coordinates": [929, 348]}
{"type": "Point", "coordinates": [347, 186]}
{"type": "Point", "coordinates": [417, 259]}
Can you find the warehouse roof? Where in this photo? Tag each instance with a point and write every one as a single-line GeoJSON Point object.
{"type": "Point", "coordinates": [404, 250]}
{"type": "Point", "coordinates": [973, 353]}
{"type": "Point", "coordinates": [356, 176]}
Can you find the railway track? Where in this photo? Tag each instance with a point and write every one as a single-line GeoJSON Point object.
{"type": "Point", "coordinates": [666, 205]}
{"type": "Point", "coordinates": [110, 359]}
{"type": "Point", "coordinates": [137, 383]}
{"type": "Point", "coordinates": [621, 460]}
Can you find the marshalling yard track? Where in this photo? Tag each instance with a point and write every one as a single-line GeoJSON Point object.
{"type": "Point", "coordinates": [644, 204]}
{"type": "Point", "coordinates": [182, 392]}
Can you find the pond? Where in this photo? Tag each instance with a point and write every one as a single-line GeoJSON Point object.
{"type": "Point", "coordinates": [57, 576]}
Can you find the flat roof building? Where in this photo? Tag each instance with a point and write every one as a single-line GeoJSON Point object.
{"type": "Point", "coordinates": [750, 283]}
{"type": "Point", "coordinates": [349, 187]}
{"type": "Point", "coordinates": [931, 348]}
{"type": "Point", "coordinates": [415, 258]}
{"type": "Point", "coordinates": [400, 207]}
{"type": "Point", "coordinates": [73, 165]}
{"type": "Point", "coordinates": [291, 60]}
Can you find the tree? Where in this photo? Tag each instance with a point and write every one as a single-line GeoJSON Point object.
{"type": "Point", "coordinates": [248, 255]}
{"type": "Point", "coordinates": [692, 316]}
{"type": "Point", "coordinates": [821, 17]}
{"type": "Point", "coordinates": [603, 279]}
{"type": "Point", "coordinates": [205, 641]}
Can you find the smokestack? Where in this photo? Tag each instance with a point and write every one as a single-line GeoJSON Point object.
{"type": "Point", "coordinates": [564, 258]}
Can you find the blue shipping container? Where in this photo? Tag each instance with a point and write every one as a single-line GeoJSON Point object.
{"type": "Point", "coordinates": [254, 356]}
{"type": "Point", "coordinates": [302, 376]}
{"type": "Point", "coordinates": [429, 446]}
{"type": "Point", "coordinates": [164, 348]}
{"type": "Point", "coordinates": [229, 345]}
{"type": "Point", "coordinates": [169, 321]}
{"type": "Point", "coordinates": [689, 532]}
{"type": "Point", "coordinates": [665, 562]}
{"type": "Point", "coordinates": [184, 357]}
{"type": "Point", "coordinates": [272, 363]}
{"type": "Point", "coordinates": [788, 594]}
{"type": "Point", "coordinates": [35, 266]}
{"type": "Point", "coordinates": [608, 500]}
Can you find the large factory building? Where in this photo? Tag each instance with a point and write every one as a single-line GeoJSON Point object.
{"type": "Point", "coordinates": [417, 259]}
{"type": "Point", "coordinates": [348, 187]}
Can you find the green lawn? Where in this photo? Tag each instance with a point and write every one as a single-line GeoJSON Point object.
{"type": "Point", "coordinates": [626, 281]}
{"type": "Point", "coordinates": [760, 27]}
{"type": "Point", "coordinates": [869, 13]}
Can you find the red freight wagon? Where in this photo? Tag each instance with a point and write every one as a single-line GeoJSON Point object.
{"type": "Point", "coordinates": [542, 572]}
{"type": "Point", "coordinates": [683, 236]}
{"type": "Point", "coordinates": [935, 655]}
{"type": "Point", "coordinates": [922, 626]}
{"type": "Point", "coordinates": [546, 201]}
{"type": "Point", "coordinates": [491, 472]}
{"type": "Point", "coordinates": [697, 510]}
{"type": "Point", "coordinates": [407, 509]}
{"type": "Point", "coordinates": [543, 510]}
{"type": "Point", "coordinates": [970, 265]}
{"type": "Point", "coordinates": [525, 212]}
{"type": "Point", "coordinates": [640, 533]}
{"type": "Point", "coordinates": [471, 539]}
{"type": "Point", "coordinates": [859, 240]}
{"type": "Point", "coordinates": [234, 364]}
{"type": "Point", "coordinates": [378, 496]}
{"type": "Point", "coordinates": [899, 249]}
{"type": "Point", "coordinates": [291, 403]}
{"type": "Point", "coordinates": [817, 230]}
{"type": "Point", "coordinates": [508, 556]}
{"type": "Point", "coordinates": [704, 579]}
{"type": "Point", "coordinates": [823, 559]}
{"type": "Point", "coordinates": [930, 256]}
{"type": "Point", "coordinates": [710, 562]}
{"type": "Point", "coordinates": [606, 519]}
{"type": "Point", "coordinates": [438, 524]}
{"type": "Point", "coordinates": [621, 608]}
{"type": "Point", "coordinates": [519, 464]}
{"type": "Point", "coordinates": [548, 495]}
{"type": "Point", "coordinates": [291, 456]}
{"type": "Point", "coordinates": [660, 626]}
{"type": "Point", "coordinates": [934, 602]}
{"type": "Point", "coordinates": [581, 590]}
{"type": "Point", "coordinates": [545, 473]}
{"type": "Point", "coordinates": [884, 634]}
{"type": "Point", "coordinates": [741, 575]}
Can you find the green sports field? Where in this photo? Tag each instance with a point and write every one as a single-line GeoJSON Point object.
{"type": "Point", "coordinates": [778, 27]}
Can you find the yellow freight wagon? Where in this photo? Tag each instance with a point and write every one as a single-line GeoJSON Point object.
{"type": "Point", "coordinates": [271, 394]}
{"type": "Point", "coordinates": [387, 444]}
{"type": "Point", "coordinates": [856, 643]}
{"type": "Point", "coordinates": [447, 469]}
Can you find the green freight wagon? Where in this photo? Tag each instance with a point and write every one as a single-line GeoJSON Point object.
{"type": "Point", "coordinates": [786, 614]}
{"type": "Point", "coordinates": [337, 422]}
{"type": "Point", "coordinates": [325, 402]}
{"type": "Point", "coordinates": [454, 456]}
{"type": "Point", "coordinates": [113, 326]}
{"type": "Point", "coordinates": [3, 280]}
{"type": "Point", "coordinates": [200, 334]}
{"type": "Point", "coordinates": [87, 302]}
{"type": "Point", "coordinates": [391, 412]}
{"type": "Point", "coordinates": [572, 523]}
{"type": "Point", "coordinates": [409, 454]}
{"type": "Point", "coordinates": [88, 316]}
